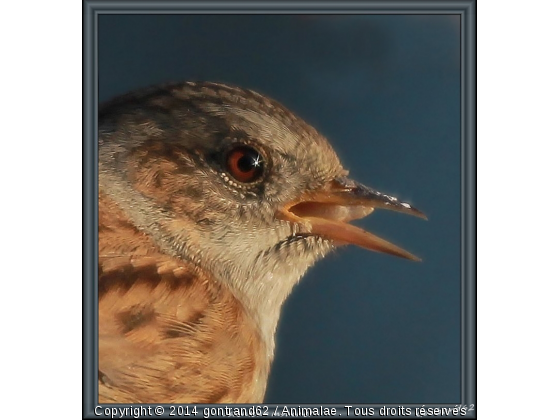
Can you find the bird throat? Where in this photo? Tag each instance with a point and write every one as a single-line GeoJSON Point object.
{"type": "Point", "coordinates": [264, 283]}
{"type": "Point", "coordinates": [260, 277]}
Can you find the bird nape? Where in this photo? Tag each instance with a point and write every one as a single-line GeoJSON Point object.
{"type": "Point", "coordinates": [213, 202]}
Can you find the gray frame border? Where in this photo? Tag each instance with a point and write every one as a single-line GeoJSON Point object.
{"type": "Point", "coordinates": [91, 9]}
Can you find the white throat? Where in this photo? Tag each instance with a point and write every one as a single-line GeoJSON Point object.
{"type": "Point", "coordinates": [262, 280]}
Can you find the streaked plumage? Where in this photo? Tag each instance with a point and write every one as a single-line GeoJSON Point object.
{"type": "Point", "coordinates": [213, 202]}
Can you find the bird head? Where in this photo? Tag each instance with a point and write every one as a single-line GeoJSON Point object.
{"type": "Point", "coordinates": [235, 183]}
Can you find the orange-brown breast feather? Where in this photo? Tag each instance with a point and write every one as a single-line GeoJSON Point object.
{"type": "Point", "coordinates": [169, 333]}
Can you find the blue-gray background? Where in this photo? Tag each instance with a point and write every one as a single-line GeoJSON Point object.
{"type": "Point", "coordinates": [361, 327]}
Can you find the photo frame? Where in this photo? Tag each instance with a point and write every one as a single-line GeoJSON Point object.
{"type": "Point", "coordinates": [464, 295]}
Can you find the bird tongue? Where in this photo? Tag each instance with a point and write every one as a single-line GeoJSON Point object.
{"type": "Point", "coordinates": [326, 213]}
{"type": "Point", "coordinates": [330, 211]}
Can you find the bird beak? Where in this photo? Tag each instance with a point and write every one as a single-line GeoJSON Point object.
{"type": "Point", "coordinates": [327, 212]}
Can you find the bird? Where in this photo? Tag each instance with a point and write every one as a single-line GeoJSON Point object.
{"type": "Point", "coordinates": [214, 200]}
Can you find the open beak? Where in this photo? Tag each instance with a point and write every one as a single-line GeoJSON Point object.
{"type": "Point", "coordinates": [326, 213]}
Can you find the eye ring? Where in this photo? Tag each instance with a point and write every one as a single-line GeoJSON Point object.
{"type": "Point", "coordinates": [245, 164]}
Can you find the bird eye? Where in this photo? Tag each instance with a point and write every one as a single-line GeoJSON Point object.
{"type": "Point", "coordinates": [245, 164]}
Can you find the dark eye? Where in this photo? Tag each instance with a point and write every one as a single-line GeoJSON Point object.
{"type": "Point", "coordinates": [245, 164]}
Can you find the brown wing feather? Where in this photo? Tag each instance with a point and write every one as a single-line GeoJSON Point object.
{"type": "Point", "coordinates": [168, 333]}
